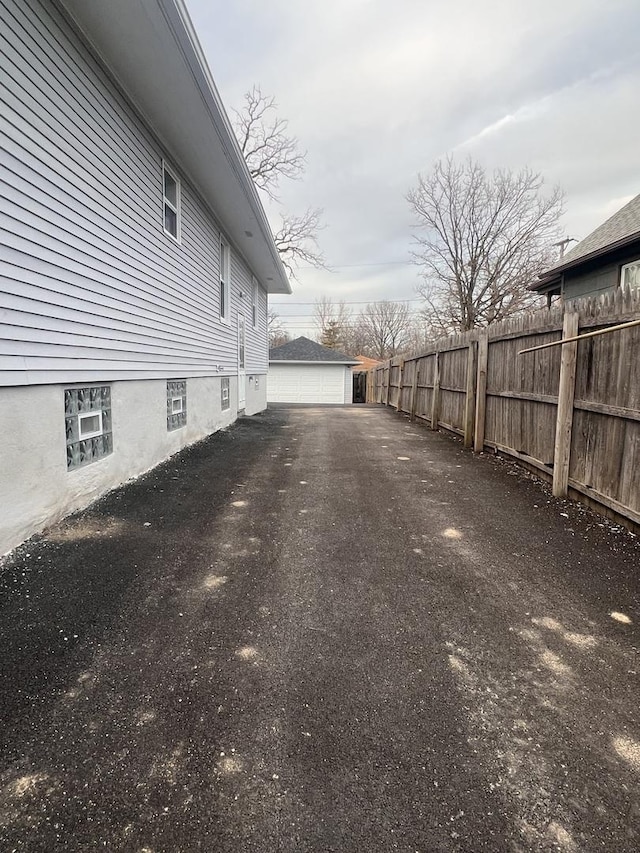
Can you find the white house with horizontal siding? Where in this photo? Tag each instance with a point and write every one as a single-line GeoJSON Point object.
{"type": "Point", "coordinates": [135, 255]}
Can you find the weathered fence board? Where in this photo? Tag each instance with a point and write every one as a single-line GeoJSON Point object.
{"type": "Point", "coordinates": [583, 429]}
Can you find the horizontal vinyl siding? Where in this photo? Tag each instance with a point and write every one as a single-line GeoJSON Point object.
{"type": "Point", "coordinates": [256, 346]}
{"type": "Point", "coordinates": [90, 285]}
{"type": "Point", "coordinates": [598, 277]}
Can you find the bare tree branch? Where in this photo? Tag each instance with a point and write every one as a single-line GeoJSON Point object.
{"type": "Point", "coordinates": [483, 240]}
{"type": "Point", "coordinates": [297, 241]}
{"type": "Point", "coordinates": [333, 322]}
{"type": "Point", "coordinates": [276, 331]}
{"type": "Point", "coordinates": [269, 152]}
{"type": "Point", "coordinates": [387, 326]}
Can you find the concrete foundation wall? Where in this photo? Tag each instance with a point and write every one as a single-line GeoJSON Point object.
{"type": "Point", "coordinates": [256, 400]}
{"type": "Point", "coordinates": [36, 489]}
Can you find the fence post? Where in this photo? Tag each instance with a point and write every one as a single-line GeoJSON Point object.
{"type": "Point", "coordinates": [470, 398]}
{"type": "Point", "coordinates": [387, 373]}
{"type": "Point", "coordinates": [435, 400]}
{"type": "Point", "coordinates": [481, 392]}
{"type": "Point", "coordinates": [414, 389]}
{"type": "Point", "coordinates": [400, 379]}
{"type": "Point", "coordinates": [566, 392]}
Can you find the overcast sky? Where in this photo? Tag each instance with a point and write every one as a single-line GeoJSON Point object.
{"type": "Point", "coordinates": [377, 91]}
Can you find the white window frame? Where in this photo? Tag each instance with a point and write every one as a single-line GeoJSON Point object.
{"type": "Point", "coordinates": [177, 208]}
{"type": "Point", "coordinates": [224, 293]}
{"type": "Point", "coordinates": [242, 342]}
{"type": "Point", "coordinates": [225, 402]}
{"type": "Point", "coordinates": [624, 267]}
{"type": "Point", "coordinates": [179, 409]}
{"type": "Point", "coordinates": [83, 416]}
{"type": "Point", "coordinates": [254, 302]}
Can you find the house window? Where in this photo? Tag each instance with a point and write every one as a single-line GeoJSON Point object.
{"type": "Point", "coordinates": [171, 203]}
{"type": "Point", "coordinates": [224, 392]}
{"type": "Point", "coordinates": [87, 421]}
{"type": "Point", "coordinates": [241, 341]}
{"type": "Point", "coordinates": [176, 404]}
{"type": "Point", "coordinates": [225, 275]}
{"type": "Point", "coordinates": [630, 275]}
{"type": "Point", "coordinates": [254, 302]}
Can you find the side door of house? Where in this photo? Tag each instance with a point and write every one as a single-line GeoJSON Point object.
{"type": "Point", "coordinates": [242, 374]}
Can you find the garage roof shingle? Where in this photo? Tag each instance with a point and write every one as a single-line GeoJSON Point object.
{"type": "Point", "coordinates": [304, 349]}
{"type": "Point", "coordinates": [622, 226]}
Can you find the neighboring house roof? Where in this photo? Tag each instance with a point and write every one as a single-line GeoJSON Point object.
{"type": "Point", "coordinates": [366, 363]}
{"type": "Point", "coordinates": [152, 49]}
{"type": "Point", "coordinates": [305, 350]}
{"type": "Point", "coordinates": [620, 230]}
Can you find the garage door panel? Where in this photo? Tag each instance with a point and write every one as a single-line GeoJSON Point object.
{"type": "Point", "coordinates": [316, 383]}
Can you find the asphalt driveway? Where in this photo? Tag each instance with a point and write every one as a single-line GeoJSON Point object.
{"type": "Point", "coordinates": [323, 630]}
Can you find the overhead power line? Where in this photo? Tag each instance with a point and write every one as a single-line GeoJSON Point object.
{"type": "Point", "coordinates": [301, 324]}
{"type": "Point", "coordinates": [359, 302]}
{"type": "Point", "coordinates": [332, 267]}
{"type": "Point", "coordinates": [309, 318]}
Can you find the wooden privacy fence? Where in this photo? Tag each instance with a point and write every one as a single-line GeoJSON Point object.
{"type": "Point", "coordinates": [572, 411]}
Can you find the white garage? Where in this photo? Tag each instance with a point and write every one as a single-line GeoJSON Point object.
{"type": "Point", "coordinates": [303, 371]}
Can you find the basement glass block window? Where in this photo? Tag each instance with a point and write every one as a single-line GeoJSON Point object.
{"type": "Point", "coordinates": [224, 392]}
{"type": "Point", "coordinates": [176, 404]}
{"type": "Point", "coordinates": [87, 420]}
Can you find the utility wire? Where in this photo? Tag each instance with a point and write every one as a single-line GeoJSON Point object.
{"type": "Point", "coordinates": [331, 267]}
{"type": "Point", "coordinates": [341, 302]}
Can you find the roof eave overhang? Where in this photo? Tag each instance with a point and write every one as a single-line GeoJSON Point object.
{"type": "Point", "coordinates": [590, 256]}
{"type": "Point", "coordinates": [151, 48]}
{"type": "Point", "coordinates": [308, 361]}
{"type": "Point", "coordinates": [548, 285]}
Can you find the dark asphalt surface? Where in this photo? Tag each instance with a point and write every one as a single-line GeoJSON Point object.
{"type": "Point", "coordinates": [293, 638]}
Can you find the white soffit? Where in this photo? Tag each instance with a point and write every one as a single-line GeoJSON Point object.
{"type": "Point", "coordinates": [151, 48]}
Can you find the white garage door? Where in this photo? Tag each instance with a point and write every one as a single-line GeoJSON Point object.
{"type": "Point", "coordinates": [306, 383]}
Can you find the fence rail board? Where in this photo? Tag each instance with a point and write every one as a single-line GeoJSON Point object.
{"type": "Point", "coordinates": [579, 423]}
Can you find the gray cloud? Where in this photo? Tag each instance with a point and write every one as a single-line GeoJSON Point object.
{"type": "Point", "coordinates": [376, 93]}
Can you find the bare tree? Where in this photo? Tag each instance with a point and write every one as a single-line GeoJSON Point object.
{"type": "Point", "coordinates": [419, 337]}
{"type": "Point", "coordinates": [271, 154]}
{"type": "Point", "coordinates": [484, 238]}
{"type": "Point", "coordinates": [387, 326]}
{"type": "Point", "coordinates": [276, 331]}
{"type": "Point", "coordinates": [297, 241]}
{"type": "Point", "coordinates": [331, 336]}
{"type": "Point", "coordinates": [323, 311]}
{"type": "Point", "coordinates": [332, 321]}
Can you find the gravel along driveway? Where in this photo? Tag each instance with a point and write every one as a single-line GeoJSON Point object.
{"type": "Point", "coordinates": [323, 630]}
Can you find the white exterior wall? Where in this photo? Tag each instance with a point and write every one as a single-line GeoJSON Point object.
{"type": "Point", "coordinates": [36, 488]}
{"type": "Point", "coordinates": [91, 288]}
{"type": "Point", "coordinates": [291, 382]}
{"type": "Point", "coordinates": [348, 385]}
{"type": "Point", "coordinates": [256, 393]}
